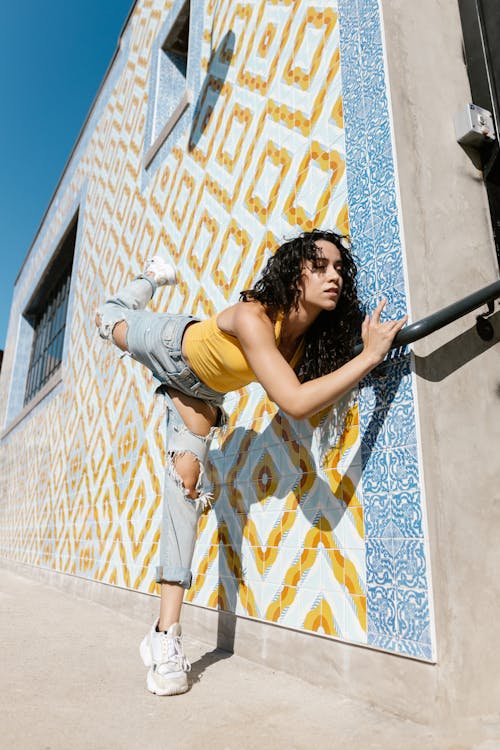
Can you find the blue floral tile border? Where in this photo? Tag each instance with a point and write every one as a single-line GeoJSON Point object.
{"type": "Point", "coordinates": [397, 564]}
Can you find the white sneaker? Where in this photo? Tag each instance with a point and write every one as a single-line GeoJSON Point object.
{"type": "Point", "coordinates": [163, 653]}
{"type": "Point", "coordinates": [161, 272]}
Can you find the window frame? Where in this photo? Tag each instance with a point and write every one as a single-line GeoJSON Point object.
{"type": "Point", "coordinates": [16, 409]}
{"type": "Point", "coordinates": [49, 327]}
{"type": "Point", "coordinates": [161, 136]}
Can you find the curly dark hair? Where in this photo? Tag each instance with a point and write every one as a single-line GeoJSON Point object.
{"type": "Point", "coordinates": [330, 340]}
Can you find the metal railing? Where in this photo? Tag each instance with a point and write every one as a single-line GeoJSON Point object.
{"type": "Point", "coordinates": [415, 331]}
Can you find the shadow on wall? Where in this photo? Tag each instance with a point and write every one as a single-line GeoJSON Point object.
{"type": "Point", "coordinates": [234, 523]}
{"type": "Point", "coordinates": [453, 355]}
{"type": "Point", "coordinates": [384, 383]}
{"type": "Point", "coordinates": [218, 67]}
{"type": "Point", "coordinates": [298, 492]}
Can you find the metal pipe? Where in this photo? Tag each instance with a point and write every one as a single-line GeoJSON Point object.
{"type": "Point", "coordinates": [443, 317]}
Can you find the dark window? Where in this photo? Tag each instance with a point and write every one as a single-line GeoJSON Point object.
{"type": "Point", "coordinates": [170, 94]}
{"type": "Point", "coordinates": [481, 33]}
{"type": "Point", "coordinates": [176, 45]}
{"type": "Point", "coordinates": [47, 315]}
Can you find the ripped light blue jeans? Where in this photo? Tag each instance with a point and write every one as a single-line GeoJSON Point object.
{"type": "Point", "coordinates": [155, 340]}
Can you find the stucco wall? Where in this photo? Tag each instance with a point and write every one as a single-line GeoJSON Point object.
{"type": "Point", "coordinates": [450, 253]}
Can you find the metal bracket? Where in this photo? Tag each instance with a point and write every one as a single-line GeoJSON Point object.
{"type": "Point", "coordinates": [475, 130]}
{"type": "Point", "coordinates": [483, 326]}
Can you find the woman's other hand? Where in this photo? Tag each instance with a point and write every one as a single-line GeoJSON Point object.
{"type": "Point", "coordinates": [377, 336]}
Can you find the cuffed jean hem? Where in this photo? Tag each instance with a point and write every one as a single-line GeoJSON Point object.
{"type": "Point", "coordinates": [166, 574]}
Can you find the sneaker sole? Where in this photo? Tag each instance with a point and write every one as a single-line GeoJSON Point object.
{"type": "Point", "coordinates": [178, 685]}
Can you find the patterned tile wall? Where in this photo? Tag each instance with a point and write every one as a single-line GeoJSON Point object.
{"type": "Point", "coordinates": [317, 525]}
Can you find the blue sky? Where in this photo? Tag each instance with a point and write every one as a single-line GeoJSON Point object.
{"type": "Point", "coordinates": [53, 57]}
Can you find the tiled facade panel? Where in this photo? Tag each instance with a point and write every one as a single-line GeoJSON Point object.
{"type": "Point", "coordinates": [316, 525]}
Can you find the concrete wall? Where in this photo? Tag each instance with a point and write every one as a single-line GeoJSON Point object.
{"type": "Point", "coordinates": [298, 122]}
{"type": "Point", "coordinates": [450, 253]}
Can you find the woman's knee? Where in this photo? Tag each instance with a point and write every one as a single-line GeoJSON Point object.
{"type": "Point", "coordinates": [114, 330]}
{"type": "Point", "coordinates": [188, 469]}
{"type": "Point", "coordinates": [119, 334]}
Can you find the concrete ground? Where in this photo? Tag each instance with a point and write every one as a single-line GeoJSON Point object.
{"type": "Point", "coordinates": [71, 678]}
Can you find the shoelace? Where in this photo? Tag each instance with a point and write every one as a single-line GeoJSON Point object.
{"type": "Point", "coordinates": [174, 652]}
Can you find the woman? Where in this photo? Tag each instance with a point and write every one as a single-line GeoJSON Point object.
{"type": "Point", "coordinates": [293, 333]}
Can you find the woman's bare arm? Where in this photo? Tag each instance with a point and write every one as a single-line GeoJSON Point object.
{"type": "Point", "coordinates": [301, 400]}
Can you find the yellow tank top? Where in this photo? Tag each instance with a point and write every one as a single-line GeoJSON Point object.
{"type": "Point", "coordinates": [217, 358]}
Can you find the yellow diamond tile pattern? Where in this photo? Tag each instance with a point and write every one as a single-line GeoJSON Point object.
{"type": "Point", "coordinates": [81, 477]}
